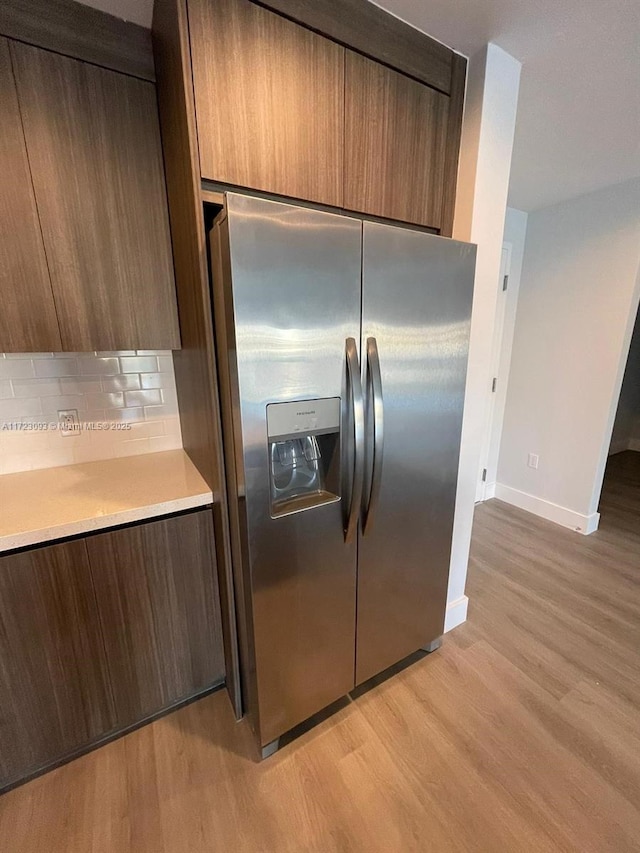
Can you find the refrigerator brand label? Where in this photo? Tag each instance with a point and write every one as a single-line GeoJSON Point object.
{"type": "Point", "coordinates": [317, 416]}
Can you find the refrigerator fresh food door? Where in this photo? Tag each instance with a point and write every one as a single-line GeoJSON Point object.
{"type": "Point", "coordinates": [294, 281]}
{"type": "Point", "coordinates": [417, 292]}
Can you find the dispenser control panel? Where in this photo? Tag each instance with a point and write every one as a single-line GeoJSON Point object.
{"type": "Point", "coordinates": [317, 417]}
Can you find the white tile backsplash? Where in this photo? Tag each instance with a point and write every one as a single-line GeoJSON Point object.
{"type": "Point", "coordinates": [151, 380]}
{"type": "Point", "coordinates": [139, 364]}
{"type": "Point", "coordinates": [98, 365]}
{"type": "Point", "coordinates": [80, 385]}
{"type": "Point", "coordinates": [143, 398]}
{"type": "Point", "coordinates": [19, 410]}
{"type": "Point", "coordinates": [16, 368]}
{"type": "Point", "coordinates": [122, 382]}
{"type": "Point", "coordinates": [105, 400]}
{"type": "Point", "coordinates": [109, 390]}
{"type": "Point", "coordinates": [36, 387]}
{"type": "Point", "coordinates": [50, 406]}
{"type": "Point", "coordinates": [55, 366]}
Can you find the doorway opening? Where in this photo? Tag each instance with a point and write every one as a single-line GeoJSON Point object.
{"type": "Point", "coordinates": [620, 496]}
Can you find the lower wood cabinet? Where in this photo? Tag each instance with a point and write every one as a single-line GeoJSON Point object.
{"type": "Point", "coordinates": [157, 599]}
{"type": "Point", "coordinates": [54, 687]}
{"type": "Point", "coordinates": [99, 633]}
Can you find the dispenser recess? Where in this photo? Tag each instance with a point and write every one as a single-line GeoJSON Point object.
{"type": "Point", "coordinates": [304, 454]}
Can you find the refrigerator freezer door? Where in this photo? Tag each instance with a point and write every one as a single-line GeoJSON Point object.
{"type": "Point", "coordinates": [294, 277]}
{"type": "Point", "coordinates": [417, 292]}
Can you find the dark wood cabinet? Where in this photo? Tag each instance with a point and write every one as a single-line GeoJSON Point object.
{"type": "Point", "coordinates": [395, 144]}
{"type": "Point", "coordinates": [54, 689]}
{"type": "Point", "coordinates": [371, 30]}
{"type": "Point", "coordinates": [157, 599]}
{"type": "Point", "coordinates": [28, 316]}
{"type": "Point", "coordinates": [93, 142]}
{"type": "Point", "coordinates": [283, 109]}
{"type": "Point", "coordinates": [269, 98]}
{"type": "Point", "coordinates": [100, 633]}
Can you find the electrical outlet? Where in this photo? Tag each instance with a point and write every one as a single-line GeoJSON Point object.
{"type": "Point", "coordinates": [68, 421]}
{"type": "Point", "coordinates": [533, 460]}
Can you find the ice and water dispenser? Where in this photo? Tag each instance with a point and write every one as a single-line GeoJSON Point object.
{"type": "Point", "coordinates": [304, 454]}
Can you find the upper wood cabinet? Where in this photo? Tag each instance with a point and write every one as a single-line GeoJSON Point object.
{"type": "Point", "coordinates": [269, 98]}
{"type": "Point", "coordinates": [395, 144]}
{"type": "Point", "coordinates": [28, 316]}
{"type": "Point", "coordinates": [93, 143]}
{"type": "Point", "coordinates": [283, 109]}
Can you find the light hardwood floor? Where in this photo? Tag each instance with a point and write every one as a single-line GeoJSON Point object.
{"type": "Point", "coordinates": [521, 734]}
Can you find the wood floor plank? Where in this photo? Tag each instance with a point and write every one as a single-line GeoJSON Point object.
{"type": "Point", "coordinates": [436, 761]}
{"type": "Point", "coordinates": [520, 735]}
{"type": "Point", "coordinates": [607, 734]}
{"type": "Point", "coordinates": [583, 789]}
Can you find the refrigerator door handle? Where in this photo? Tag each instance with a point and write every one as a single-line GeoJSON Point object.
{"type": "Point", "coordinates": [354, 389]}
{"type": "Point", "coordinates": [374, 382]}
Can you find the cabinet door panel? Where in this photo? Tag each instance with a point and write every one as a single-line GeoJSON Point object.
{"type": "Point", "coordinates": [157, 595]}
{"type": "Point", "coordinates": [28, 320]}
{"type": "Point", "coordinates": [93, 141]}
{"type": "Point", "coordinates": [395, 144]}
{"type": "Point", "coordinates": [269, 101]}
{"type": "Point", "coordinates": [54, 692]}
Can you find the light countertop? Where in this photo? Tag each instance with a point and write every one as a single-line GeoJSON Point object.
{"type": "Point", "coordinates": [52, 503]}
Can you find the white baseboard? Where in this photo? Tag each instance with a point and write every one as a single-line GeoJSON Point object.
{"type": "Point", "coordinates": [489, 491]}
{"type": "Point", "coordinates": [456, 613]}
{"type": "Point", "coordinates": [485, 492]}
{"type": "Point", "coordinates": [584, 524]}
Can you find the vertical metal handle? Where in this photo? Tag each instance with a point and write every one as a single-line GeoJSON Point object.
{"type": "Point", "coordinates": [354, 388]}
{"type": "Point", "coordinates": [374, 382]}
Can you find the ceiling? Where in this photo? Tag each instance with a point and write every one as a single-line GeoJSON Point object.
{"type": "Point", "coordinates": [578, 126]}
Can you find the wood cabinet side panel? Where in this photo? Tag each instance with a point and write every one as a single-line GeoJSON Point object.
{"type": "Point", "coordinates": [269, 98]}
{"type": "Point", "coordinates": [54, 689]}
{"type": "Point", "coordinates": [28, 321]}
{"type": "Point", "coordinates": [454, 135]}
{"type": "Point", "coordinates": [157, 597]}
{"type": "Point", "coordinates": [395, 144]}
{"type": "Point", "coordinates": [94, 146]}
{"type": "Point", "coordinates": [195, 364]}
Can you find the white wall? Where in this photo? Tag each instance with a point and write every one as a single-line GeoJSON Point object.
{"type": "Point", "coordinates": [485, 162]}
{"type": "Point", "coordinates": [576, 308]}
{"type": "Point", "coordinates": [626, 429]}
{"type": "Point", "coordinates": [515, 232]}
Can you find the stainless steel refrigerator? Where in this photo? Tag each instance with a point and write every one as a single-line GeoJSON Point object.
{"type": "Point", "coordinates": [342, 348]}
